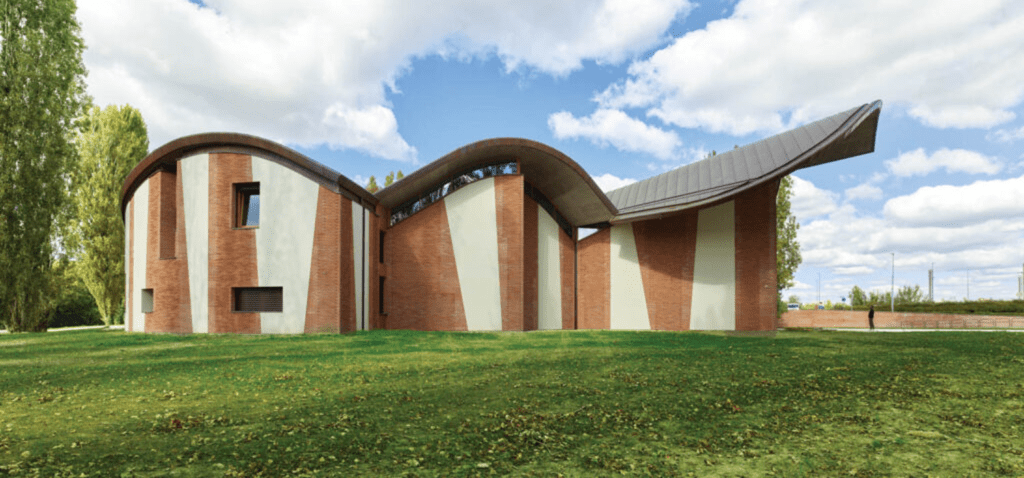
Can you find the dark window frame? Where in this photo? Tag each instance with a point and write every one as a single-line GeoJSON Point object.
{"type": "Point", "coordinates": [248, 299]}
{"type": "Point", "coordinates": [243, 197]}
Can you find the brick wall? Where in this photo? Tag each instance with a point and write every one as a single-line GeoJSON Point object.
{"type": "Point", "coordinates": [508, 200]}
{"type": "Point", "coordinates": [331, 304]}
{"type": "Point", "coordinates": [756, 294]}
{"type": "Point", "coordinates": [665, 249]}
{"type": "Point", "coordinates": [594, 294]}
{"type": "Point", "coordinates": [166, 273]}
{"type": "Point", "coordinates": [530, 280]}
{"type": "Point", "coordinates": [567, 263]}
{"type": "Point", "coordinates": [422, 290]}
{"type": "Point", "coordinates": [885, 319]}
{"type": "Point", "coordinates": [232, 251]}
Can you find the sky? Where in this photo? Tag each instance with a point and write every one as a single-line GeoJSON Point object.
{"type": "Point", "coordinates": [628, 89]}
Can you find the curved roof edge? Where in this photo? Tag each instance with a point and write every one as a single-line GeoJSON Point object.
{"type": "Point", "coordinates": [166, 155]}
{"type": "Point", "coordinates": [558, 177]}
{"type": "Point", "coordinates": [721, 178]}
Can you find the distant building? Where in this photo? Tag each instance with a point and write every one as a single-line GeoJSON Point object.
{"type": "Point", "coordinates": [229, 233]}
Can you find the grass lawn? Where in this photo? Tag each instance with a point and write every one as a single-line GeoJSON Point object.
{"type": "Point", "coordinates": [585, 403]}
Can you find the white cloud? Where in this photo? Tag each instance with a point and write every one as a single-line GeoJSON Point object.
{"type": "Point", "coordinates": [864, 191]}
{"type": "Point", "coordinates": [919, 163]}
{"type": "Point", "coordinates": [1006, 135]}
{"type": "Point", "coordinates": [613, 127]}
{"type": "Point", "coordinates": [309, 72]}
{"type": "Point", "coordinates": [608, 182]}
{"type": "Point", "coordinates": [808, 201]}
{"type": "Point", "coordinates": [959, 205]}
{"type": "Point", "coordinates": [777, 63]}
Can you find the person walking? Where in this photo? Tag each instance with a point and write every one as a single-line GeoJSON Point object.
{"type": "Point", "coordinates": [871, 317]}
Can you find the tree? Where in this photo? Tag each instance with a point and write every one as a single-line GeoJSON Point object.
{"type": "Point", "coordinates": [389, 179]}
{"type": "Point", "coordinates": [110, 143]}
{"type": "Point", "coordinates": [787, 249]}
{"type": "Point", "coordinates": [42, 92]}
{"type": "Point", "coordinates": [793, 299]}
{"type": "Point", "coordinates": [371, 186]}
{"type": "Point", "coordinates": [857, 296]}
{"type": "Point", "coordinates": [400, 175]}
{"type": "Point", "coordinates": [909, 295]}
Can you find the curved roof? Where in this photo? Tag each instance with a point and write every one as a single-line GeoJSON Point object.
{"type": "Point", "coordinates": [719, 178]}
{"type": "Point", "coordinates": [165, 157]}
{"type": "Point", "coordinates": [554, 174]}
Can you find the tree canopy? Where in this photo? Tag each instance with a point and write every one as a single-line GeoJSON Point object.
{"type": "Point", "coordinates": [42, 92]}
{"type": "Point", "coordinates": [787, 249]}
{"type": "Point", "coordinates": [110, 143]}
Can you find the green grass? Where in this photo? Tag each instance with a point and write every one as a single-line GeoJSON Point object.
{"type": "Point", "coordinates": [583, 403]}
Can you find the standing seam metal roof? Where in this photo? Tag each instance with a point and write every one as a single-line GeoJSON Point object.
{"type": "Point", "coordinates": [718, 178]}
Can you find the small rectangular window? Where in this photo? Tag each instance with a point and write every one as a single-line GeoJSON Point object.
{"type": "Point", "coordinates": [247, 205]}
{"type": "Point", "coordinates": [381, 248]}
{"type": "Point", "coordinates": [258, 299]}
{"type": "Point", "coordinates": [147, 301]}
{"type": "Point", "coordinates": [380, 296]}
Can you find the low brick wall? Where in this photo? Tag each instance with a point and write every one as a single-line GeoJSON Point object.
{"type": "Point", "coordinates": [903, 320]}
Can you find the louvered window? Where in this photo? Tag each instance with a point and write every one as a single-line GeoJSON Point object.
{"type": "Point", "coordinates": [258, 299]}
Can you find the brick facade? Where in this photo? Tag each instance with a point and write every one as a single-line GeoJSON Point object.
{"type": "Point", "coordinates": [567, 261]}
{"type": "Point", "coordinates": [422, 290]}
{"type": "Point", "coordinates": [530, 279]}
{"type": "Point", "coordinates": [594, 292]}
{"type": "Point", "coordinates": [166, 263]}
{"type": "Point", "coordinates": [331, 304]}
{"type": "Point", "coordinates": [232, 250]}
{"type": "Point", "coordinates": [508, 201]}
{"type": "Point", "coordinates": [665, 248]}
{"type": "Point", "coordinates": [756, 293]}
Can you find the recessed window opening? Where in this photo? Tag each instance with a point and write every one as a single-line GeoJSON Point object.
{"type": "Point", "coordinates": [451, 185]}
{"type": "Point", "coordinates": [247, 205]}
{"type": "Point", "coordinates": [381, 247]}
{"type": "Point", "coordinates": [147, 301]}
{"type": "Point", "coordinates": [257, 299]}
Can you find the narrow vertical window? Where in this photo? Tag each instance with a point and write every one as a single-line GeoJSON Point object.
{"type": "Point", "coordinates": [247, 205]}
{"type": "Point", "coordinates": [381, 248]}
{"type": "Point", "coordinates": [147, 301]}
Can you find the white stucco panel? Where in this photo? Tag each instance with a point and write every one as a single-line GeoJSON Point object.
{"type": "Point", "coordinates": [714, 270]}
{"type": "Point", "coordinates": [284, 241]}
{"type": "Point", "coordinates": [140, 235]}
{"type": "Point", "coordinates": [361, 264]}
{"type": "Point", "coordinates": [195, 188]}
{"type": "Point", "coordinates": [628, 302]}
{"type": "Point", "coordinates": [473, 222]}
{"type": "Point", "coordinates": [549, 273]}
{"type": "Point", "coordinates": [127, 258]}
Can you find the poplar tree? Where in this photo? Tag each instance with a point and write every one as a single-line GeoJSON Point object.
{"type": "Point", "coordinates": [42, 92]}
{"type": "Point", "coordinates": [110, 143]}
{"type": "Point", "coordinates": [787, 249]}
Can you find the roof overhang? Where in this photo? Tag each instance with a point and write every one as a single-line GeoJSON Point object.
{"type": "Point", "coordinates": [854, 137]}
{"type": "Point", "coordinates": [167, 155]}
{"type": "Point", "coordinates": [559, 178]}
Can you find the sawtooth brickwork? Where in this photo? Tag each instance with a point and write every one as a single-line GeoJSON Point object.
{"type": "Point", "coordinates": [331, 304]}
{"type": "Point", "coordinates": [530, 279]}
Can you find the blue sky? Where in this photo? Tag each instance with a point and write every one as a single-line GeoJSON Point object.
{"type": "Point", "coordinates": [628, 89]}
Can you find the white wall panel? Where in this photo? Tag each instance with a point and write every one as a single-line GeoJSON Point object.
{"type": "Point", "coordinates": [284, 241]}
{"type": "Point", "coordinates": [473, 222]}
{"type": "Point", "coordinates": [361, 264]}
{"type": "Point", "coordinates": [128, 266]}
{"type": "Point", "coordinates": [141, 238]}
{"type": "Point", "coordinates": [195, 188]}
{"type": "Point", "coordinates": [713, 306]}
{"type": "Point", "coordinates": [628, 302]}
{"type": "Point", "coordinates": [549, 273]}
